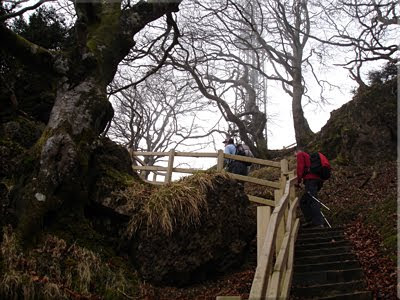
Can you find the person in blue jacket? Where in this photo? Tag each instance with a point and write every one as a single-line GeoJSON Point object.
{"type": "Point", "coordinates": [231, 165]}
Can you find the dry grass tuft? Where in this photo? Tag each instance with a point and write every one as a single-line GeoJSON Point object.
{"type": "Point", "coordinates": [55, 270]}
{"type": "Point", "coordinates": [131, 199]}
{"type": "Point", "coordinates": [177, 203]}
{"type": "Point", "coordinates": [53, 291]}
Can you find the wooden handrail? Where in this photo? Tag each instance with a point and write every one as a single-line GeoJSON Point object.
{"type": "Point", "coordinates": [272, 281]}
{"type": "Point", "coordinates": [221, 156]}
{"type": "Point", "coordinates": [259, 181]}
{"type": "Point", "coordinates": [263, 162]}
{"type": "Point", "coordinates": [276, 231]}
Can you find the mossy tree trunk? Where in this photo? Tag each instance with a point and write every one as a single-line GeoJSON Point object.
{"type": "Point", "coordinates": [56, 173]}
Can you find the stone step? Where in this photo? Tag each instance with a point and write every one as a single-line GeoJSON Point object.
{"type": "Point", "coordinates": [324, 258]}
{"type": "Point", "coordinates": [321, 239]}
{"type": "Point", "coordinates": [302, 235]}
{"type": "Point", "coordinates": [327, 266]}
{"type": "Point", "coordinates": [363, 295]}
{"type": "Point", "coordinates": [306, 252]}
{"type": "Point", "coordinates": [322, 246]}
{"type": "Point", "coordinates": [325, 230]}
{"type": "Point", "coordinates": [325, 277]}
{"type": "Point", "coordinates": [324, 290]}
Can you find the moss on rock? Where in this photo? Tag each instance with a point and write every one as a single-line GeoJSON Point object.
{"type": "Point", "coordinates": [364, 129]}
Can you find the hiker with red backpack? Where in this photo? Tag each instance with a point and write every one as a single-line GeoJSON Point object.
{"type": "Point", "coordinates": [312, 169]}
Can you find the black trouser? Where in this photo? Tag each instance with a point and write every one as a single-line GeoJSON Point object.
{"type": "Point", "coordinates": [310, 208]}
{"type": "Point", "coordinates": [237, 167]}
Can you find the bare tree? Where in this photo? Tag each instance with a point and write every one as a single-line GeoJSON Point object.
{"type": "Point", "coordinates": [367, 29]}
{"type": "Point", "coordinates": [11, 9]}
{"type": "Point", "coordinates": [158, 115]}
{"type": "Point", "coordinates": [277, 31]}
{"type": "Point", "coordinates": [220, 78]}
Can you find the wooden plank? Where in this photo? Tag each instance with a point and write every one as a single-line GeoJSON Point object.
{"type": "Point", "coordinates": [159, 168]}
{"type": "Point", "coordinates": [185, 170]}
{"type": "Point", "coordinates": [282, 266]}
{"type": "Point", "coordinates": [287, 281]}
{"type": "Point", "coordinates": [150, 168]}
{"type": "Point", "coordinates": [281, 221]}
{"type": "Point", "coordinates": [196, 154]}
{"type": "Point", "coordinates": [286, 284]}
{"type": "Point", "coordinates": [138, 159]}
{"type": "Point", "coordinates": [292, 213]}
{"type": "Point", "coordinates": [273, 289]}
{"type": "Point", "coordinates": [146, 153]}
{"type": "Point", "coordinates": [220, 161]}
{"type": "Point", "coordinates": [293, 238]}
{"type": "Point", "coordinates": [263, 218]}
{"type": "Point", "coordinates": [283, 199]}
{"type": "Point", "coordinates": [291, 145]}
{"type": "Point", "coordinates": [168, 177]}
{"type": "Point", "coordinates": [260, 200]}
{"type": "Point", "coordinates": [264, 267]}
{"type": "Point", "coordinates": [284, 166]}
{"type": "Point", "coordinates": [263, 182]}
{"type": "Point", "coordinates": [270, 163]}
{"type": "Point", "coordinates": [292, 189]}
{"type": "Point", "coordinates": [273, 286]}
{"type": "Point", "coordinates": [283, 181]}
{"type": "Point", "coordinates": [283, 253]}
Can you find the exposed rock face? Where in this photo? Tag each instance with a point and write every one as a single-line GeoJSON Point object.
{"type": "Point", "coordinates": [363, 130]}
{"type": "Point", "coordinates": [111, 170]}
{"type": "Point", "coordinates": [189, 253]}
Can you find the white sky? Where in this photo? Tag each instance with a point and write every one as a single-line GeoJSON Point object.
{"type": "Point", "coordinates": [281, 132]}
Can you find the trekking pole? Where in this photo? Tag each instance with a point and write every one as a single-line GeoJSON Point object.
{"type": "Point", "coordinates": [326, 219]}
{"type": "Point", "coordinates": [316, 199]}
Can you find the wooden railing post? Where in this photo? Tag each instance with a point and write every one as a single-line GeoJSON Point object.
{"type": "Point", "coordinates": [280, 232]}
{"type": "Point", "coordinates": [292, 189]}
{"type": "Point", "coordinates": [154, 177]}
{"type": "Point", "coordinates": [263, 217]}
{"type": "Point", "coordinates": [283, 180]}
{"type": "Point", "coordinates": [168, 176]}
{"type": "Point", "coordinates": [220, 161]}
{"type": "Point", "coordinates": [284, 172]}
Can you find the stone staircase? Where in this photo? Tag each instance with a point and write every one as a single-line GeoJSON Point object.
{"type": "Point", "coordinates": [325, 268]}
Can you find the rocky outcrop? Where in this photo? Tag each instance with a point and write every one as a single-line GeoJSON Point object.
{"type": "Point", "coordinates": [191, 252]}
{"type": "Point", "coordinates": [111, 171]}
{"type": "Point", "coordinates": [363, 130]}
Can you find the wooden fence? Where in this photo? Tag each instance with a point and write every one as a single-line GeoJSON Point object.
{"type": "Point", "coordinates": [276, 240]}
{"type": "Point", "coordinates": [277, 223]}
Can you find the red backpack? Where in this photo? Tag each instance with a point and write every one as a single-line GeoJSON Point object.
{"type": "Point", "coordinates": [320, 165]}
